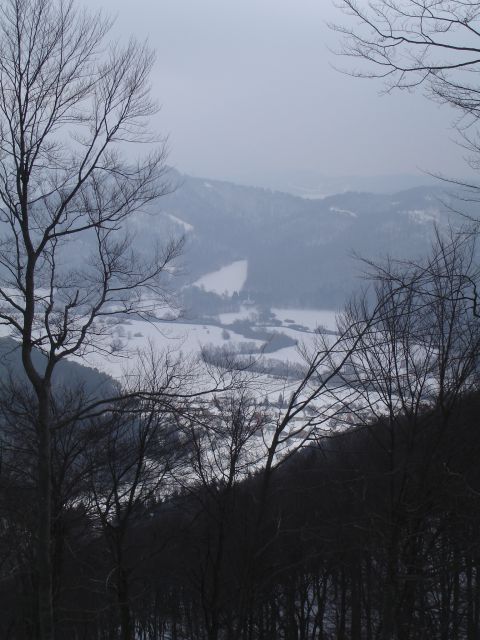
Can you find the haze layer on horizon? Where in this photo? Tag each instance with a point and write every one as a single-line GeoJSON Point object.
{"type": "Point", "coordinates": [249, 94]}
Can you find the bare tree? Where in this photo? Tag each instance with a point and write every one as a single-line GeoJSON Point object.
{"type": "Point", "coordinates": [223, 440]}
{"type": "Point", "coordinates": [434, 44]}
{"type": "Point", "coordinates": [410, 42]}
{"type": "Point", "coordinates": [132, 457]}
{"type": "Point", "coordinates": [69, 102]}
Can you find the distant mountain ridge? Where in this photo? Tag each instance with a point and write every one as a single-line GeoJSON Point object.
{"type": "Point", "coordinates": [312, 184]}
{"type": "Point", "coordinates": [299, 251]}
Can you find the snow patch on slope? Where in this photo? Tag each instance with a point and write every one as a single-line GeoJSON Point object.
{"type": "Point", "coordinates": [186, 225]}
{"type": "Point", "coordinates": [352, 214]}
{"type": "Point", "coordinates": [227, 280]}
{"type": "Point", "coordinates": [424, 216]}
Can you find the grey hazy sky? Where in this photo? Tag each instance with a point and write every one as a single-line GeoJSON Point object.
{"type": "Point", "coordinates": [247, 89]}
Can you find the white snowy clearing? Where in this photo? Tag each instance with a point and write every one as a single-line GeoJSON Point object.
{"type": "Point", "coordinates": [227, 280]}
{"type": "Point", "coordinates": [346, 212]}
{"type": "Point", "coordinates": [244, 313]}
{"type": "Point", "coordinates": [186, 225]}
{"type": "Point", "coordinates": [310, 318]}
{"type": "Point", "coordinates": [424, 216]}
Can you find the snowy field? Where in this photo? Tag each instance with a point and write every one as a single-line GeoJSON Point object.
{"type": "Point", "coordinates": [131, 338]}
{"type": "Point", "coordinates": [123, 343]}
{"type": "Point", "coordinates": [229, 279]}
{"type": "Point", "coordinates": [244, 313]}
{"type": "Point", "coordinates": [310, 318]}
{"type": "Point", "coordinates": [134, 337]}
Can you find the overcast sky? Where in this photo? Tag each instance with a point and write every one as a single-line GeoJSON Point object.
{"type": "Point", "coordinates": [248, 90]}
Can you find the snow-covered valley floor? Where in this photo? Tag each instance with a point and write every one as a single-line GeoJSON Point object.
{"type": "Point", "coordinates": [133, 336]}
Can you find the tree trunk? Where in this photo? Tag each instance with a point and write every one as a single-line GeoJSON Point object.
{"type": "Point", "coordinates": [342, 621]}
{"type": "Point", "coordinates": [124, 605]}
{"type": "Point", "coordinates": [44, 558]}
{"type": "Point", "coordinates": [356, 604]}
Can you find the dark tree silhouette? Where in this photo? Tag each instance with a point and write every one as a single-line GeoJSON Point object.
{"type": "Point", "coordinates": [69, 102]}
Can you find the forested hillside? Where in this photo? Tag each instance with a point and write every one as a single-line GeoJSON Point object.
{"type": "Point", "coordinates": [300, 252]}
{"type": "Point", "coordinates": [360, 533]}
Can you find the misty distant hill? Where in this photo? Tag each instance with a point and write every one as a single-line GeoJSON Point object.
{"type": "Point", "coordinates": [299, 251]}
{"type": "Point", "coordinates": [311, 184]}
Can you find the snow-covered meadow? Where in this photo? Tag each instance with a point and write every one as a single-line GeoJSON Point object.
{"type": "Point", "coordinates": [227, 280]}
{"type": "Point", "coordinates": [129, 337]}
